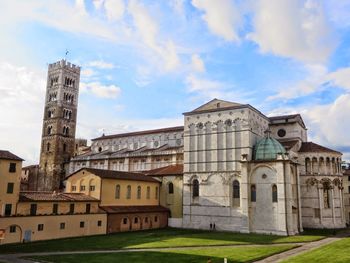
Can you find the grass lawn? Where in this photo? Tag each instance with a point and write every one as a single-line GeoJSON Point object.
{"type": "Point", "coordinates": [337, 252]}
{"type": "Point", "coordinates": [237, 254]}
{"type": "Point", "coordinates": [169, 237]}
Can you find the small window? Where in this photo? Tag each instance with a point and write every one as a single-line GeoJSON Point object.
{"type": "Point", "coordinates": [62, 225]}
{"type": "Point", "coordinates": [136, 220]}
{"type": "Point", "coordinates": [170, 188]}
{"type": "Point", "coordinates": [10, 188]}
{"type": "Point", "coordinates": [12, 168]}
{"type": "Point", "coordinates": [125, 220]}
{"type": "Point", "coordinates": [99, 149]}
{"type": "Point", "coordinates": [82, 188]}
{"type": "Point", "coordinates": [99, 223]}
{"type": "Point", "coordinates": [281, 132]}
{"type": "Point", "coordinates": [156, 219]}
{"type": "Point", "coordinates": [74, 188]}
{"type": "Point", "coordinates": [139, 192]}
{"type": "Point", "coordinates": [40, 227]}
{"type": "Point", "coordinates": [55, 209]}
{"type": "Point", "coordinates": [33, 208]}
{"type": "Point", "coordinates": [128, 192]}
{"type": "Point", "coordinates": [146, 219]}
{"type": "Point", "coordinates": [156, 193]}
{"type": "Point", "coordinates": [117, 191]}
{"type": "Point", "coordinates": [92, 188]}
{"type": "Point", "coordinates": [8, 209]}
{"type": "Point", "coordinates": [88, 208]}
{"type": "Point", "coordinates": [71, 208]}
{"type": "Point", "coordinates": [195, 188]}
{"type": "Point", "coordinates": [148, 192]}
{"type": "Point", "coordinates": [48, 147]}
{"type": "Point", "coordinates": [13, 229]}
{"type": "Point", "coordinates": [274, 193]}
{"type": "Point", "coordinates": [82, 224]}
{"type": "Point", "coordinates": [236, 189]}
{"type": "Point", "coordinates": [64, 147]}
{"type": "Point", "coordinates": [253, 193]}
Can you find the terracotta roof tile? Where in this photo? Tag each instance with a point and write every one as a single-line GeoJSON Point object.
{"type": "Point", "coordinates": [110, 174]}
{"type": "Point", "coordinates": [120, 135]}
{"type": "Point", "coordinates": [134, 209]}
{"type": "Point", "coordinates": [167, 170]}
{"type": "Point", "coordinates": [9, 156]}
{"type": "Point", "coordinates": [30, 196]}
{"type": "Point", "coordinates": [313, 147]}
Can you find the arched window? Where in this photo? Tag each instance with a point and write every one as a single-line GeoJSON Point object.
{"type": "Point", "coordinates": [136, 220]}
{"type": "Point", "coordinates": [326, 195]}
{"type": "Point", "coordinates": [64, 147]}
{"type": "Point", "coordinates": [117, 191]}
{"type": "Point", "coordinates": [48, 147]}
{"type": "Point", "coordinates": [139, 192]}
{"type": "Point", "coordinates": [99, 149]}
{"type": "Point", "coordinates": [195, 188]}
{"type": "Point", "coordinates": [253, 193]}
{"type": "Point", "coordinates": [148, 192]}
{"type": "Point", "coordinates": [170, 188]}
{"type": "Point", "coordinates": [156, 193]}
{"type": "Point", "coordinates": [49, 130]}
{"type": "Point", "coordinates": [274, 193]}
{"type": "Point", "coordinates": [128, 192]}
{"type": "Point", "coordinates": [67, 131]}
{"type": "Point", "coordinates": [236, 190]}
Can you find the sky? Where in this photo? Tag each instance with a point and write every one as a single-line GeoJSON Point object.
{"type": "Point", "coordinates": [144, 63]}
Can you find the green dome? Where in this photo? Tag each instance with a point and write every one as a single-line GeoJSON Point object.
{"type": "Point", "coordinates": [267, 149]}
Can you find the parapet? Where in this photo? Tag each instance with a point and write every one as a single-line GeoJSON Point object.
{"type": "Point", "coordinates": [64, 64]}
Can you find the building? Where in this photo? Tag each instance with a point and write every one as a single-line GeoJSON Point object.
{"type": "Point", "coordinates": [131, 200]}
{"type": "Point", "coordinates": [59, 123]}
{"type": "Point", "coordinates": [241, 170]}
{"type": "Point", "coordinates": [95, 202]}
{"type": "Point", "coordinates": [347, 195]}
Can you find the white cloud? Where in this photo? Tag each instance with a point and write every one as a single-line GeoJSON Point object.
{"type": "Point", "coordinates": [317, 75]}
{"type": "Point", "coordinates": [100, 90]}
{"type": "Point", "coordinates": [197, 63]}
{"type": "Point", "coordinates": [88, 72]}
{"type": "Point", "coordinates": [178, 6]}
{"type": "Point", "coordinates": [294, 29]}
{"type": "Point", "coordinates": [149, 32]}
{"type": "Point", "coordinates": [222, 17]}
{"type": "Point", "coordinates": [114, 9]}
{"type": "Point", "coordinates": [101, 64]}
{"type": "Point", "coordinates": [22, 94]}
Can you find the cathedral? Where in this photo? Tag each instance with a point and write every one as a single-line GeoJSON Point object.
{"type": "Point", "coordinates": [229, 167]}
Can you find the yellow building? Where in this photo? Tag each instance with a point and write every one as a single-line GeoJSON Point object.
{"type": "Point", "coordinates": [131, 200]}
{"type": "Point", "coordinates": [10, 178]}
{"type": "Point", "coordinates": [32, 216]}
{"type": "Point", "coordinates": [170, 190]}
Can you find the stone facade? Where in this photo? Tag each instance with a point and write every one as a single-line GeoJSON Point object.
{"type": "Point", "coordinates": [59, 123]}
{"type": "Point", "coordinates": [347, 195]}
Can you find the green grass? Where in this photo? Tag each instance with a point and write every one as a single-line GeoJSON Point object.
{"type": "Point", "coordinates": [169, 237]}
{"type": "Point", "coordinates": [236, 254]}
{"type": "Point", "coordinates": [337, 252]}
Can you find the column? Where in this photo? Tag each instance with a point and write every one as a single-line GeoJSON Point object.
{"type": "Point", "coordinates": [214, 145]}
{"type": "Point", "coordinates": [320, 202]}
{"type": "Point", "coordinates": [333, 211]}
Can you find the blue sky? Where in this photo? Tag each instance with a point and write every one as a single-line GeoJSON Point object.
{"type": "Point", "coordinates": [144, 63]}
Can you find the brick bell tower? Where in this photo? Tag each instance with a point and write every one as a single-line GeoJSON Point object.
{"type": "Point", "coordinates": [60, 119]}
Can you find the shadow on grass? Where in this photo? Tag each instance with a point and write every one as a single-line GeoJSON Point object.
{"type": "Point", "coordinates": [241, 254]}
{"type": "Point", "coordinates": [169, 237]}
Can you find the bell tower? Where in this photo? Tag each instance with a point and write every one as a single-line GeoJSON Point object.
{"type": "Point", "coordinates": [59, 123]}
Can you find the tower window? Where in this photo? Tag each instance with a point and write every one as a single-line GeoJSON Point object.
{"type": "Point", "coordinates": [274, 193]}
{"type": "Point", "coordinates": [48, 147]}
{"type": "Point", "coordinates": [253, 193]}
{"type": "Point", "coordinates": [195, 188]}
{"type": "Point", "coordinates": [64, 147]}
{"type": "Point", "coordinates": [170, 188]}
{"type": "Point", "coordinates": [49, 130]}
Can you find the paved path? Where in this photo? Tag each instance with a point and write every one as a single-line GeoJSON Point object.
{"type": "Point", "coordinates": [303, 247]}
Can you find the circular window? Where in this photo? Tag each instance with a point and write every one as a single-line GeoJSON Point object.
{"type": "Point", "coordinates": [281, 132]}
{"type": "Point", "coordinates": [156, 143]}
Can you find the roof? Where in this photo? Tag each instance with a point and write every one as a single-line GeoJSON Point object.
{"type": "Point", "coordinates": [9, 156]}
{"type": "Point", "coordinates": [267, 149]}
{"type": "Point", "coordinates": [346, 172]}
{"type": "Point", "coordinates": [30, 196]}
{"type": "Point", "coordinates": [313, 147]}
{"type": "Point", "coordinates": [110, 174]}
{"type": "Point", "coordinates": [288, 119]}
{"type": "Point", "coordinates": [221, 105]}
{"type": "Point", "coordinates": [167, 170]}
{"type": "Point", "coordinates": [30, 166]}
{"type": "Point", "coordinates": [120, 135]}
{"type": "Point", "coordinates": [134, 209]}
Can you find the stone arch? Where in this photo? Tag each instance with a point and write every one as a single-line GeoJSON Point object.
{"type": "Point", "coordinates": [260, 166]}
{"type": "Point", "coordinates": [312, 182]}
{"type": "Point", "coordinates": [136, 223]}
{"type": "Point", "coordinates": [125, 224]}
